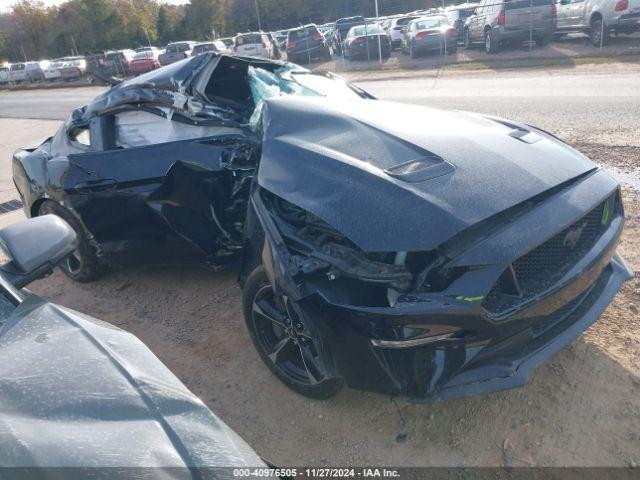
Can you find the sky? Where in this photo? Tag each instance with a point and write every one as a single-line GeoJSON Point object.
{"type": "Point", "coordinates": [6, 5]}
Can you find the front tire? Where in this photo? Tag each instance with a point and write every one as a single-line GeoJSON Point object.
{"type": "Point", "coordinates": [599, 33]}
{"type": "Point", "coordinates": [284, 344]}
{"type": "Point", "coordinates": [82, 265]}
{"type": "Point", "coordinates": [490, 44]}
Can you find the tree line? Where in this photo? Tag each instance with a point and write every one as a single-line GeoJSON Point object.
{"type": "Point", "coordinates": [31, 31]}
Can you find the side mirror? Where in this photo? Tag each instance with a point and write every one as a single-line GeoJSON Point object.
{"type": "Point", "coordinates": [34, 247]}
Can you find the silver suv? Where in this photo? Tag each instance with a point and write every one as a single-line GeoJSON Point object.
{"type": "Point", "coordinates": [598, 17]}
{"type": "Point", "coordinates": [495, 21]}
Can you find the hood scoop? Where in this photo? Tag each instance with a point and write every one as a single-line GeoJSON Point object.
{"type": "Point", "coordinates": [420, 169]}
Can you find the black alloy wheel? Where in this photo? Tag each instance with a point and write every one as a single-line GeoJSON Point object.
{"type": "Point", "coordinates": [285, 345]}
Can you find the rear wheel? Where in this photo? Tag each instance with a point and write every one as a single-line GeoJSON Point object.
{"type": "Point", "coordinates": [599, 34]}
{"type": "Point", "coordinates": [285, 345]}
{"type": "Point", "coordinates": [490, 44]}
{"type": "Point", "coordinates": [82, 265]}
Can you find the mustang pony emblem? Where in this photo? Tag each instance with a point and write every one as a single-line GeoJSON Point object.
{"type": "Point", "coordinates": [573, 236]}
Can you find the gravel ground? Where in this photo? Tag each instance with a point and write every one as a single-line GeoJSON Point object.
{"type": "Point", "coordinates": [581, 409]}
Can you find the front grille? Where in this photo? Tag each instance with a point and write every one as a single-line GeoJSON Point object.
{"type": "Point", "coordinates": [542, 268]}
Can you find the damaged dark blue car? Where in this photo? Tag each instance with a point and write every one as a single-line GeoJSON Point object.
{"type": "Point", "coordinates": [439, 255]}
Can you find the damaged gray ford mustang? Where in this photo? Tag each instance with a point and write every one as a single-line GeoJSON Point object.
{"type": "Point", "coordinates": [439, 255]}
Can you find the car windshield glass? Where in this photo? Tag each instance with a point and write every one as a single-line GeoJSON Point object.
{"type": "Point", "coordinates": [248, 39]}
{"type": "Point", "coordinates": [205, 47]}
{"type": "Point", "coordinates": [368, 30]}
{"type": "Point", "coordinates": [17, 66]}
{"type": "Point", "coordinates": [302, 33]}
{"type": "Point", "coordinates": [325, 86]}
{"type": "Point", "coordinates": [143, 55]}
{"type": "Point", "coordinates": [430, 23]}
{"type": "Point", "coordinates": [404, 21]}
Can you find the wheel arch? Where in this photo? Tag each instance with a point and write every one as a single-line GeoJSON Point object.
{"type": "Point", "coordinates": [595, 15]}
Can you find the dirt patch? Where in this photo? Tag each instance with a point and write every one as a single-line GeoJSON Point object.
{"type": "Point", "coordinates": [583, 408]}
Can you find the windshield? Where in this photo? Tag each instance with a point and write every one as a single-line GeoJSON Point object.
{"type": "Point", "coordinates": [325, 86]}
{"type": "Point", "coordinates": [143, 55]}
{"type": "Point", "coordinates": [248, 39]}
{"type": "Point", "coordinates": [368, 30]}
{"type": "Point", "coordinates": [404, 21]}
{"type": "Point", "coordinates": [205, 47]}
{"type": "Point", "coordinates": [302, 33]}
{"type": "Point", "coordinates": [431, 23]}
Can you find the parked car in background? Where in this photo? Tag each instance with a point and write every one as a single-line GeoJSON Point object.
{"type": "Point", "coordinates": [144, 61]}
{"type": "Point", "coordinates": [255, 44]}
{"type": "Point", "coordinates": [366, 42]}
{"type": "Point", "coordinates": [343, 25]}
{"type": "Point", "coordinates": [598, 18]}
{"type": "Point", "coordinates": [34, 71]}
{"type": "Point", "coordinates": [73, 69]}
{"type": "Point", "coordinates": [176, 51]}
{"type": "Point", "coordinates": [17, 73]}
{"type": "Point", "coordinates": [458, 14]}
{"type": "Point", "coordinates": [494, 23]}
{"type": "Point", "coordinates": [4, 74]}
{"type": "Point", "coordinates": [52, 72]}
{"type": "Point", "coordinates": [215, 46]}
{"type": "Point", "coordinates": [306, 44]}
{"type": "Point", "coordinates": [428, 34]}
{"type": "Point", "coordinates": [228, 42]}
{"type": "Point", "coordinates": [395, 28]}
{"type": "Point", "coordinates": [118, 61]}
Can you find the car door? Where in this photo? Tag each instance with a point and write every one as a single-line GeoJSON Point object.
{"type": "Point", "coordinates": [563, 8]}
{"type": "Point", "coordinates": [476, 27]}
{"type": "Point", "coordinates": [156, 194]}
{"type": "Point", "coordinates": [577, 13]}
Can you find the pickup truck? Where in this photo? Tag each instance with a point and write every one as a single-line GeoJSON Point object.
{"type": "Point", "coordinates": [598, 18]}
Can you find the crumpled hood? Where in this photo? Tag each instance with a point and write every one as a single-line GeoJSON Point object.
{"type": "Point", "coordinates": [396, 177]}
{"type": "Point", "coordinates": [78, 392]}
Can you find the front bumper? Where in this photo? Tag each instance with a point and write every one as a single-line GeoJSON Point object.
{"type": "Point", "coordinates": [467, 363]}
{"type": "Point", "coordinates": [435, 43]}
{"type": "Point", "coordinates": [465, 344]}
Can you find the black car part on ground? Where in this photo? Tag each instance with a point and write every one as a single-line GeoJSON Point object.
{"type": "Point", "coordinates": [429, 268]}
